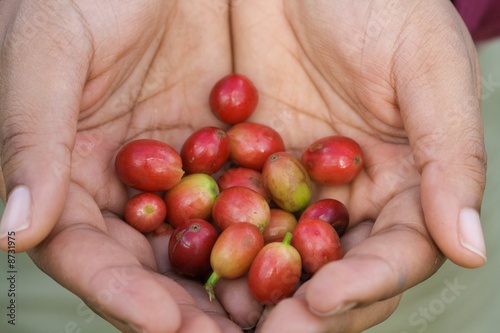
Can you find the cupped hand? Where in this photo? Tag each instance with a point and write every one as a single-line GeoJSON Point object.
{"type": "Point", "coordinates": [402, 82]}
{"type": "Point", "coordinates": [401, 78]}
{"type": "Point", "coordinates": [78, 80]}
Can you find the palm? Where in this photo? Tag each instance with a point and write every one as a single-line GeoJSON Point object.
{"type": "Point", "coordinates": [307, 93]}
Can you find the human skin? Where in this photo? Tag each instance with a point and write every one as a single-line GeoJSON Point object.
{"type": "Point", "coordinates": [400, 77]}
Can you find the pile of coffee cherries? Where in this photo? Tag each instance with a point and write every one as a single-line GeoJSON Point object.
{"type": "Point", "coordinates": [237, 202]}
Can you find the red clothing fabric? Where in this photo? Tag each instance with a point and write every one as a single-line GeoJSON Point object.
{"type": "Point", "coordinates": [482, 17]}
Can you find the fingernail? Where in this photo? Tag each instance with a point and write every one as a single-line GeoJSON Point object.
{"type": "Point", "coordinates": [470, 232]}
{"type": "Point", "coordinates": [136, 329]}
{"type": "Point", "coordinates": [248, 328]}
{"type": "Point", "coordinates": [17, 213]}
{"type": "Point", "coordinates": [341, 308]}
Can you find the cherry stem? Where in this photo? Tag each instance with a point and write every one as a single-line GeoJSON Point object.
{"type": "Point", "coordinates": [287, 239]}
{"type": "Point", "coordinates": [210, 284]}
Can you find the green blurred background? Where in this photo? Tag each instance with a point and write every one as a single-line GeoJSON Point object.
{"type": "Point", "coordinates": [453, 300]}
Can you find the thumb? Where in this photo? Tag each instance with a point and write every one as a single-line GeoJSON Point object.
{"type": "Point", "coordinates": [42, 76]}
{"type": "Point", "coordinates": [439, 95]}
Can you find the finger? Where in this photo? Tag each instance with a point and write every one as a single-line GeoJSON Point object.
{"type": "Point", "coordinates": [235, 296]}
{"type": "Point", "coordinates": [198, 314]}
{"type": "Point", "coordinates": [80, 256]}
{"type": "Point", "coordinates": [247, 312]}
{"type": "Point", "coordinates": [210, 314]}
{"type": "Point", "coordinates": [42, 76]}
{"type": "Point", "coordinates": [355, 320]}
{"type": "Point", "coordinates": [439, 97]}
{"type": "Point", "coordinates": [398, 255]}
{"type": "Point", "coordinates": [355, 235]}
{"type": "Point", "coordinates": [159, 243]}
{"type": "Point", "coordinates": [200, 303]}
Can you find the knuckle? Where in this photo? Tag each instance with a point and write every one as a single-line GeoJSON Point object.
{"type": "Point", "coordinates": [14, 143]}
{"type": "Point", "coordinates": [25, 145]}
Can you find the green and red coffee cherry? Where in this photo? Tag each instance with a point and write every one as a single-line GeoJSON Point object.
{"type": "Point", "coordinates": [254, 217]}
